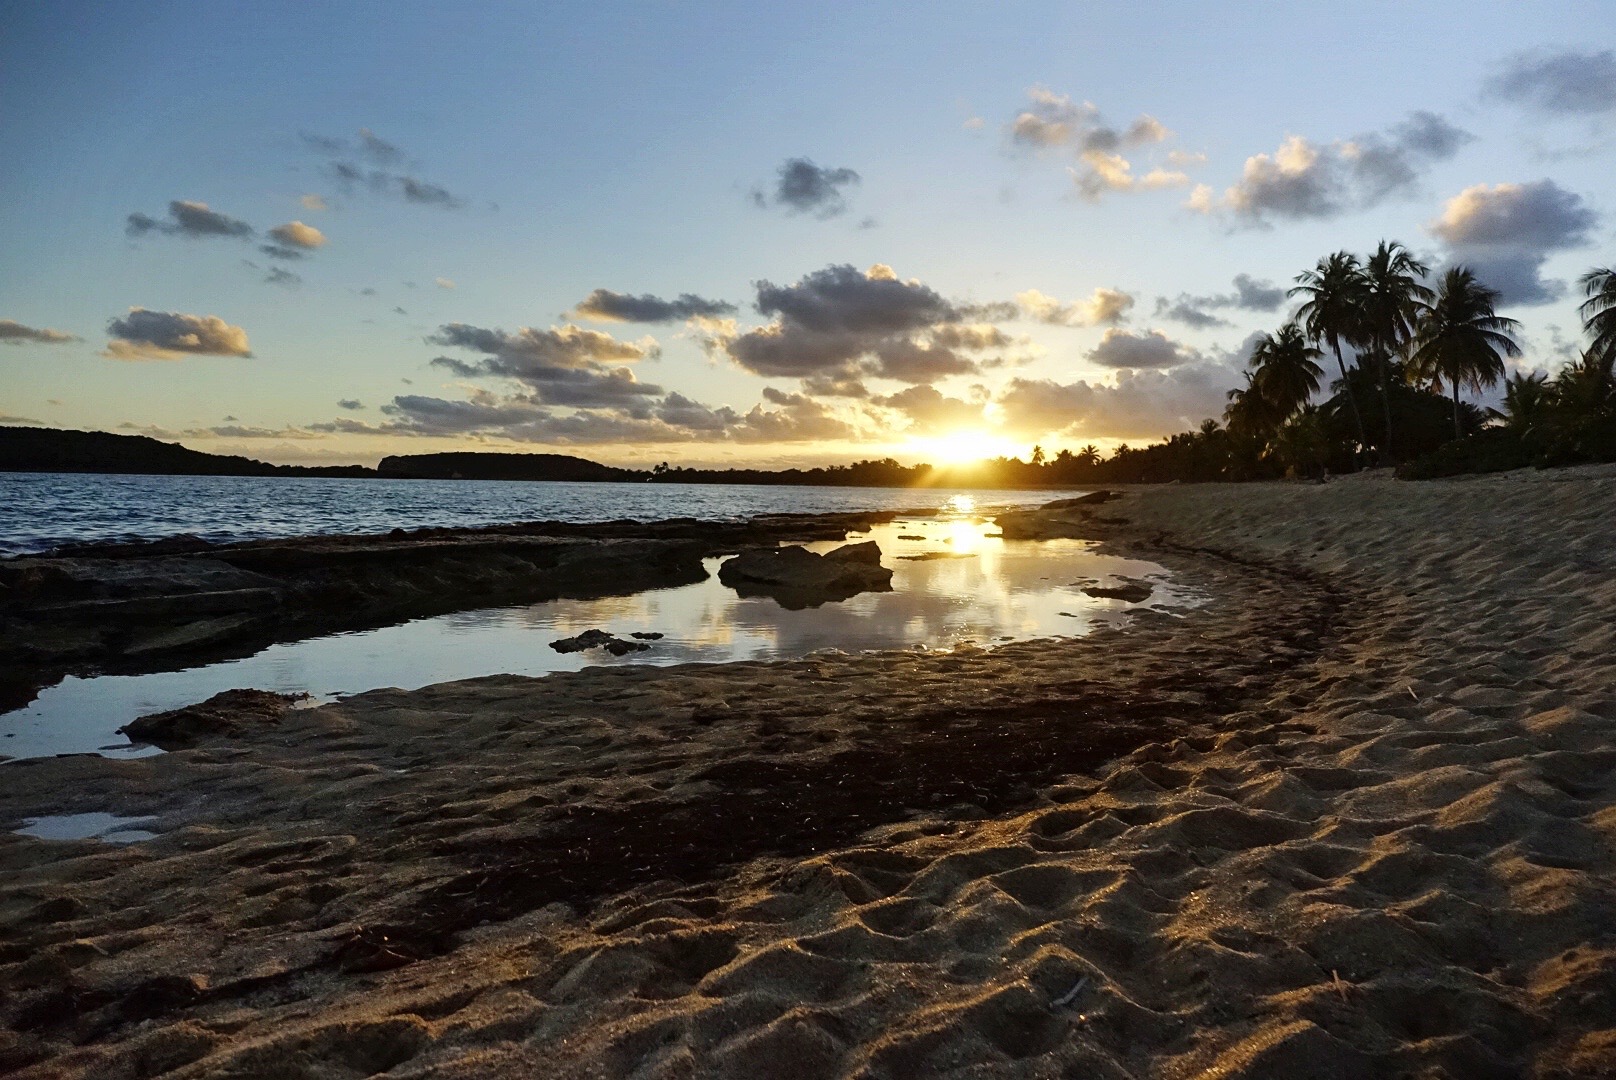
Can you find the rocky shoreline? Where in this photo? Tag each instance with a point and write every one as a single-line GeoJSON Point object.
{"type": "Point", "coordinates": [131, 608]}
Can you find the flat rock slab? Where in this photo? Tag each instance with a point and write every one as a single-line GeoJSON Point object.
{"type": "Point", "coordinates": [221, 714]}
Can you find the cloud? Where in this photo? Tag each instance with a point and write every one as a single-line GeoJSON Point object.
{"type": "Point", "coordinates": [1151, 349]}
{"type": "Point", "coordinates": [1053, 122]}
{"type": "Point", "coordinates": [603, 305]}
{"type": "Point", "coordinates": [167, 335]}
{"type": "Point", "coordinates": [1506, 232]}
{"type": "Point", "coordinates": [805, 188]}
{"type": "Point", "coordinates": [239, 431]}
{"type": "Point", "coordinates": [1104, 307]}
{"type": "Point", "coordinates": [558, 347]}
{"type": "Point", "coordinates": [676, 418]}
{"type": "Point", "coordinates": [25, 421]}
{"type": "Point", "coordinates": [314, 202]}
{"type": "Point", "coordinates": [443, 283]}
{"type": "Point", "coordinates": [278, 276]}
{"type": "Point", "coordinates": [1307, 181]}
{"type": "Point", "coordinates": [928, 409]}
{"type": "Point", "coordinates": [369, 163]}
{"type": "Point", "coordinates": [1249, 295]}
{"type": "Point", "coordinates": [379, 150]}
{"type": "Point", "coordinates": [839, 323]}
{"type": "Point", "coordinates": [563, 365]}
{"type": "Point", "coordinates": [192, 219]}
{"type": "Point", "coordinates": [1139, 405]}
{"type": "Point", "coordinates": [295, 234]}
{"type": "Point", "coordinates": [842, 386]}
{"type": "Point", "coordinates": [15, 333]}
{"type": "Point", "coordinates": [351, 404]}
{"type": "Point", "coordinates": [800, 419]}
{"type": "Point", "coordinates": [1568, 83]}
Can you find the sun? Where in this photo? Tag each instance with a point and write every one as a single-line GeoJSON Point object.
{"type": "Point", "coordinates": [965, 446]}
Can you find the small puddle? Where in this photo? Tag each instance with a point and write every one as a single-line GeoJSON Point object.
{"type": "Point", "coordinates": [108, 828]}
{"type": "Point", "coordinates": [954, 581]}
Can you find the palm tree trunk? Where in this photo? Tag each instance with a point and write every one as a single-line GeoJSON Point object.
{"type": "Point", "coordinates": [1385, 361]}
{"type": "Point", "coordinates": [1457, 434]}
{"type": "Point", "coordinates": [1352, 401]}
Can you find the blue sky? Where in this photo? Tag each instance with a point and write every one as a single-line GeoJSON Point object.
{"type": "Point", "coordinates": [1051, 207]}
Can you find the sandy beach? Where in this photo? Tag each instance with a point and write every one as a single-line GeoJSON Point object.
{"type": "Point", "coordinates": [1353, 817]}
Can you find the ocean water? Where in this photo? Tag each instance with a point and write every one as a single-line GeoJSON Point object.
{"type": "Point", "coordinates": [43, 510]}
{"type": "Point", "coordinates": [968, 585]}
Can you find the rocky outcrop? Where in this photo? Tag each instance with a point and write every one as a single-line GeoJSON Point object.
{"type": "Point", "coordinates": [600, 639]}
{"type": "Point", "coordinates": [798, 578]}
{"type": "Point", "coordinates": [180, 600]}
{"type": "Point", "coordinates": [221, 714]}
{"type": "Point", "coordinates": [1073, 519]}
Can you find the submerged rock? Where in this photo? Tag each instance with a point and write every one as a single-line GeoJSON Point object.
{"type": "Point", "coordinates": [1130, 591]}
{"type": "Point", "coordinates": [222, 714]}
{"type": "Point", "coordinates": [600, 639]}
{"type": "Point", "coordinates": [798, 578]}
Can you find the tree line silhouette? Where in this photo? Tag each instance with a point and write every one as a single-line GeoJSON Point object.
{"type": "Point", "coordinates": [1404, 352]}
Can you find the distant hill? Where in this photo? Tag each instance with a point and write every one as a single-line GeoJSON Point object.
{"type": "Point", "coordinates": [490, 466]}
{"type": "Point", "coordinates": [33, 449]}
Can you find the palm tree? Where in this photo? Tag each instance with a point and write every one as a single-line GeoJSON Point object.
{"type": "Point", "coordinates": [1089, 455]}
{"type": "Point", "coordinates": [1251, 415]}
{"type": "Point", "coordinates": [1333, 313]}
{"type": "Point", "coordinates": [1301, 442]}
{"type": "Point", "coordinates": [1394, 298]}
{"type": "Point", "coordinates": [1459, 340]}
{"type": "Point", "coordinates": [1283, 369]}
{"type": "Point", "coordinates": [1527, 398]}
{"type": "Point", "coordinates": [1599, 316]}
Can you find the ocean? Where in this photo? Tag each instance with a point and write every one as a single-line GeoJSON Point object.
{"type": "Point", "coordinates": [39, 511]}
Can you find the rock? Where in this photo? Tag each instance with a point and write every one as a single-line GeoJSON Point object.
{"type": "Point", "coordinates": [599, 639]}
{"type": "Point", "coordinates": [1061, 519]}
{"type": "Point", "coordinates": [910, 536]}
{"type": "Point", "coordinates": [928, 556]}
{"type": "Point", "coordinates": [1093, 498]}
{"type": "Point", "coordinates": [191, 634]}
{"type": "Point", "coordinates": [644, 635]}
{"type": "Point", "coordinates": [796, 577]}
{"type": "Point", "coordinates": [1130, 591]}
{"type": "Point", "coordinates": [221, 714]}
{"type": "Point", "coordinates": [589, 639]}
{"type": "Point", "coordinates": [619, 647]}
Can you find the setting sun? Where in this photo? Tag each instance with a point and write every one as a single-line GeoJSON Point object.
{"type": "Point", "coordinates": [966, 446]}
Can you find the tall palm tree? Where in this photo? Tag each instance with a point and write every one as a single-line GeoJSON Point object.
{"type": "Point", "coordinates": [1283, 369]}
{"type": "Point", "coordinates": [1459, 340]}
{"type": "Point", "coordinates": [1394, 298]}
{"type": "Point", "coordinates": [1333, 313]}
{"type": "Point", "coordinates": [1599, 316]}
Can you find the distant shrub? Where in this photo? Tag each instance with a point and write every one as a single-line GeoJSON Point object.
{"type": "Point", "coordinates": [1487, 451]}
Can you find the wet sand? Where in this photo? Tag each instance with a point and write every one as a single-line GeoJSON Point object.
{"type": "Point", "coordinates": [1355, 816]}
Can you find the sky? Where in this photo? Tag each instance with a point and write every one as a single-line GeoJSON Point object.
{"type": "Point", "coordinates": [743, 234]}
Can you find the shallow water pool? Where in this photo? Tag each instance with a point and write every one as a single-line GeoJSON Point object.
{"type": "Point", "coordinates": [968, 585]}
